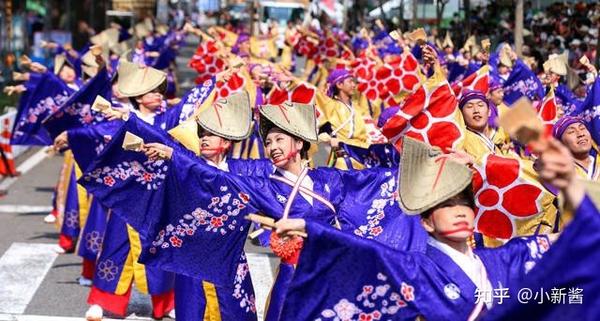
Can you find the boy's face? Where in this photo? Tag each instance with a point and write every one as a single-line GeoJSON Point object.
{"type": "Point", "coordinates": [348, 86]}
{"type": "Point", "coordinates": [577, 138]}
{"type": "Point", "coordinates": [454, 223]}
{"type": "Point", "coordinates": [212, 145]}
{"type": "Point", "coordinates": [476, 113]}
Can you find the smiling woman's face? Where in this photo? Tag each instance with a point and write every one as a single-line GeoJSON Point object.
{"type": "Point", "coordinates": [281, 147]}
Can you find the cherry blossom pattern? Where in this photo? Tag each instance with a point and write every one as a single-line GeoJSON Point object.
{"type": "Point", "coordinates": [42, 109]}
{"type": "Point", "coordinates": [374, 135]}
{"type": "Point", "coordinates": [364, 69]}
{"type": "Point", "coordinates": [235, 83]}
{"type": "Point", "coordinates": [107, 270]}
{"type": "Point", "coordinates": [247, 300]}
{"type": "Point", "coordinates": [429, 115]}
{"type": "Point", "coordinates": [363, 307]}
{"type": "Point", "coordinates": [479, 81]}
{"type": "Point", "coordinates": [193, 100]}
{"type": "Point", "coordinates": [328, 47]}
{"type": "Point", "coordinates": [205, 61]}
{"type": "Point", "coordinates": [301, 94]}
{"type": "Point", "coordinates": [376, 213]}
{"type": "Point", "coordinates": [306, 47]}
{"type": "Point", "coordinates": [93, 241]}
{"type": "Point", "coordinates": [502, 196]}
{"type": "Point", "coordinates": [86, 116]}
{"type": "Point", "coordinates": [72, 218]}
{"type": "Point", "coordinates": [220, 216]}
{"type": "Point", "coordinates": [150, 174]}
{"type": "Point", "coordinates": [537, 247]}
{"type": "Point", "coordinates": [400, 78]}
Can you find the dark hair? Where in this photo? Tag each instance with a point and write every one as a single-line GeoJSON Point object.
{"type": "Point", "coordinates": [201, 131]}
{"type": "Point", "coordinates": [335, 90]}
{"type": "Point", "coordinates": [465, 197]}
{"type": "Point", "coordinates": [267, 126]}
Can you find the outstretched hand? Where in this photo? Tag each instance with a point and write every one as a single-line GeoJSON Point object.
{"type": "Point", "coordinates": [157, 151]}
{"type": "Point", "coordinates": [287, 225]}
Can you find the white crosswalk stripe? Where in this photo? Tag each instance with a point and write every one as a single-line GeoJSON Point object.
{"type": "Point", "coordinates": [17, 209]}
{"type": "Point", "coordinates": [24, 266]}
{"type": "Point", "coordinates": [22, 269]}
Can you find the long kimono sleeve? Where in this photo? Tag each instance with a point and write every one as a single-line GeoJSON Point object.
{"type": "Point", "coordinates": [201, 229]}
{"type": "Point", "coordinates": [87, 143]}
{"type": "Point", "coordinates": [369, 208]}
{"type": "Point", "coordinates": [343, 277]}
{"type": "Point", "coordinates": [49, 93]}
{"type": "Point", "coordinates": [566, 273]}
{"type": "Point", "coordinates": [192, 214]}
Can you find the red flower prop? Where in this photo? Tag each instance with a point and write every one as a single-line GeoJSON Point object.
{"type": "Point", "coordinates": [502, 196]}
{"type": "Point", "coordinates": [428, 115]}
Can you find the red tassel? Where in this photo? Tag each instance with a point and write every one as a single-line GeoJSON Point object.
{"type": "Point", "coordinates": [287, 248]}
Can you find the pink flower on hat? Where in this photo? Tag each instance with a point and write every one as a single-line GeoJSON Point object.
{"type": "Point", "coordinates": [502, 196]}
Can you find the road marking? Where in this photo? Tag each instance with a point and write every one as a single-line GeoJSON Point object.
{"type": "Point", "coordinates": [22, 269]}
{"type": "Point", "coordinates": [17, 209]}
{"type": "Point", "coordinates": [25, 167]}
{"type": "Point", "coordinates": [262, 279]}
{"type": "Point", "coordinates": [12, 317]}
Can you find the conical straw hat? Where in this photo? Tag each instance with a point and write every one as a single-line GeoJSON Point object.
{"type": "Point", "coordinates": [426, 180]}
{"type": "Point", "coordinates": [135, 80]}
{"type": "Point", "coordinates": [296, 119]}
{"type": "Point", "coordinates": [228, 117]}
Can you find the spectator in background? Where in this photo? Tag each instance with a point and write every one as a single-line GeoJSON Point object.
{"type": "Point", "coordinates": [83, 34]}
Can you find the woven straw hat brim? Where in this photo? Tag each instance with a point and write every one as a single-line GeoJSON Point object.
{"type": "Point", "coordinates": [426, 181]}
{"type": "Point", "coordinates": [296, 119]}
{"type": "Point", "coordinates": [135, 80]}
{"type": "Point", "coordinates": [229, 117]}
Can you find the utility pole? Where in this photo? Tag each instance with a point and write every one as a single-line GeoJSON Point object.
{"type": "Point", "coordinates": [519, 28]}
{"type": "Point", "coordinates": [414, 12]}
{"type": "Point", "coordinates": [467, 8]}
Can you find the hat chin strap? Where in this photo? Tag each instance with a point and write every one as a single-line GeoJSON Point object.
{"type": "Point", "coordinates": [291, 155]}
{"type": "Point", "coordinates": [453, 231]}
{"type": "Point", "coordinates": [219, 149]}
